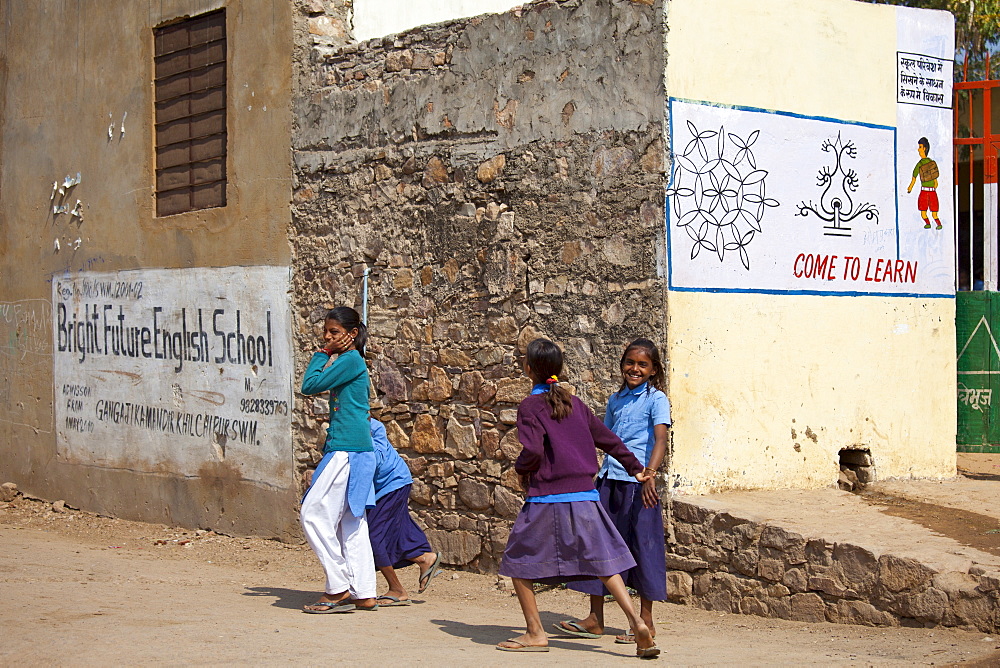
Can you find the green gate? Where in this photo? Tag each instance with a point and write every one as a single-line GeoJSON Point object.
{"type": "Point", "coordinates": [977, 261]}
{"type": "Point", "coordinates": [978, 371]}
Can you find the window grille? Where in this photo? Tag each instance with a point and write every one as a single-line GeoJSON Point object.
{"type": "Point", "coordinates": [190, 125]}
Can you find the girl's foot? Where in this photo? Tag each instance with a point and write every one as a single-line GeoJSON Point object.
{"type": "Point", "coordinates": [325, 602]}
{"type": "Point", "coordinates": [400, 594]}
{"type": "Point", "coordinates": [365, 604]}
{"type": "Point", "coordinates": [645, 647]}
{"type": "Point", "coordinates": [525, 643]}
{"type": "Point", "coordinates": [429, 562]}
{"type": "Point", "coordinates": [584, 628]}
{"type": "Point", "coordinates": [629, 637]}
{"type": "Point", "coordinates": [388, 600]}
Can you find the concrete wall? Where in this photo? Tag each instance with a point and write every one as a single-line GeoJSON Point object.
{"type": "Point", "coordinates": [774, 372]}
{"type": "Point", "coordinates": [69, 71]}
{"type": "Point", "coordinates": [502, 177]}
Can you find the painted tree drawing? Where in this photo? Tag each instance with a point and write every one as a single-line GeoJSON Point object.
{"type": "Point", "coordinates": [717, 193]}
{"type": "Point", "coordinates": [836, 205]}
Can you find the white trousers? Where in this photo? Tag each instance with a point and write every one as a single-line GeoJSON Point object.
{"type": "Point", "coordinates": [339, 539]}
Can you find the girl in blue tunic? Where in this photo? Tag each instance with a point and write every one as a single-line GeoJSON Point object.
{"type": "Point", "coordinates": [396, 539]}
{"type": "Point", "coordinates": [333, 510]}
{"type": "Point", "coordinates": [639, 413]}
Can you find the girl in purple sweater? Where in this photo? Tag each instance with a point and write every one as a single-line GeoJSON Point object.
{"type": "Point", "coordinates": [562, 533]}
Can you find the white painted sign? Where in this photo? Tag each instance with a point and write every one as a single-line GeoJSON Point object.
{"type": "Point", "coordinates": [923, 79]}
{"type": "Point", "coordinates": [174, 370]}
{"type": "Point", "coordinates": [761, 200]}
{"type": "Point", "coordinates": [777, 202]}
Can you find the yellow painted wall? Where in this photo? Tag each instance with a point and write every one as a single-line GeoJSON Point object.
{"type": "Point", "coordinates": [799, 56]}
{"type": "Point", "coordinates": [766, 389]}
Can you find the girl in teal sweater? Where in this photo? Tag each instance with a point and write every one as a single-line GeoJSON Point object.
{"type": "Point", "coordinates": [333, 510]}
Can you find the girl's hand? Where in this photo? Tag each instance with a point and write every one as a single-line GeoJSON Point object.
{"type": "Point", "coordinates": [649, 496]}
{"type": "Point", "coordinates": [525, 479]}
{"type": "Point", "coordinates": [338, 343]}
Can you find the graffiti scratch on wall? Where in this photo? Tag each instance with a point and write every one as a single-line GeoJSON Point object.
{"type": "Point", "coordinates": [25, 356]}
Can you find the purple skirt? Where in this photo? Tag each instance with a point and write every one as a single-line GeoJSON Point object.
{"type": "Point", "coordinates": [563, 542]}
{"type": "Point", "coordinates": [395, 537]}
{"type": "Point", "coordinates": [642, 530]}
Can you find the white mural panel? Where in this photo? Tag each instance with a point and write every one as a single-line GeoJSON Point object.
{"type": "Point", "coordinates": [175, 370]}
{"type": "Point", "coordinates": [763, 200]}
{"type": "Point", "coordinates": [925, 48]}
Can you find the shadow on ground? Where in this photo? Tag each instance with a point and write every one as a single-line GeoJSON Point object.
{"type": "Point", "coordinates": [981, 532]}
{"type": "Point", "coordinates": [290, 599]}
{"type": "Point", "coordinates": [976, 475]}
{"type": "Point", "coordinates": [293, 599]}
{"type": "Point", "coordinates": [482, 634]}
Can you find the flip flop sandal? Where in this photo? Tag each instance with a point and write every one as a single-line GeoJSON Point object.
{"type": "Point", "coordinates": [425, 578]}
{"type": "Point", "coordinates": [626, 639]}
{"type": "Point", "coordinates": [521, 647]}
{"type": "Point", "coordinates": [332, 607]}
{"type": "Point", "coordinates": [570, 627]}
{"type": "Point", "coordinates": [365, 608]}
{"type": "Point", "coordinates": [391, 601]}
{"type": "Point", "coordinates": [648, 652]}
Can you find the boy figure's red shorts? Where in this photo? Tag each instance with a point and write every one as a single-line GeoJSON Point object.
{"type": "Point", "coordinates": [928, 200]}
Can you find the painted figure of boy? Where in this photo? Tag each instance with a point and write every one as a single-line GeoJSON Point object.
{"type": "Point", "coordinates": [927, 170]}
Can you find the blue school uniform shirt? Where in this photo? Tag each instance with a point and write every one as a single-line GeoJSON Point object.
{"type": "Point", "coordinates": [391, 472]}
{"type": "Point", "coordinates": [631, 415]}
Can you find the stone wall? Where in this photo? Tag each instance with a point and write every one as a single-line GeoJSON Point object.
{"type": "Point", "coordinates": [717, 561]}
{"type": "Point", "coordinates": [501, 178]}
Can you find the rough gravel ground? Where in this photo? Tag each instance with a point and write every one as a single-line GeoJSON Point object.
{"type": "Point", "coordinates": [85, 590]}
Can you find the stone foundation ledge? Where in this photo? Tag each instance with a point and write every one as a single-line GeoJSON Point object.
{"type": "Point", "coordinates": [718, 561]}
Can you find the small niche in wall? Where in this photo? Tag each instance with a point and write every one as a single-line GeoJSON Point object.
{"type": "Point", "coordinates": [857, 469]}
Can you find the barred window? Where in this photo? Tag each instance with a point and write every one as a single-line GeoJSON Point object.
{"type": "Point", "coordinates": [190, 99]}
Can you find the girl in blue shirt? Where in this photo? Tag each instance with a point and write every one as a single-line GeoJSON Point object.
{"type": "Point", "coordinates": [639, 413]}
{"type": "Point", "coordinates": [396, 539]}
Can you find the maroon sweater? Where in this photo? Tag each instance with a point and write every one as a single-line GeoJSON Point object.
{"type": "Point", "coordinates": [562, 456]}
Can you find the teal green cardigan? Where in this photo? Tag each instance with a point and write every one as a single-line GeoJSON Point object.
{"type": "Point", "coordinates": [347, 381]}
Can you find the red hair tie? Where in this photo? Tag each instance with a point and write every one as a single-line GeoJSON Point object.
{"type": "Point", "coordinates": [551, 380]}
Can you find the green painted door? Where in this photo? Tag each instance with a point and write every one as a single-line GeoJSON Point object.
{"type": "Point", "coordinates": [977, 317]}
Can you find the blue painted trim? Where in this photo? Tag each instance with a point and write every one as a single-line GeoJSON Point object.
{"type": "Point", "coordinates": [895, 182]}
{"type": "Point", "coordinates": [820, 293]}
{"type": "Point", "coordinates": [740, 107]}
{"type": "Point", "coordinates": [666, 200]}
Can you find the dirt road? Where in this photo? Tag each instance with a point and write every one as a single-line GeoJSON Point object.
{"type": "Point", "coordinates": [85, 590]}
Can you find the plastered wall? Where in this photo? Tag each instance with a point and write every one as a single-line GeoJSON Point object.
{"type": "Point", "coordinates": [769, 381]}
{"type": "Point", "coordinates": [77, 100]}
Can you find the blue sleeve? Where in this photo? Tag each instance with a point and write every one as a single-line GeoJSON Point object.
{"type": "Point", "coordinates": [609, 412]}
{"type": "Point", "coordinates": [380, 442]}
{"type": "Point", "coordinates": [343, 370]}
{"type": "Point", "coordinates": [660, 410]}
